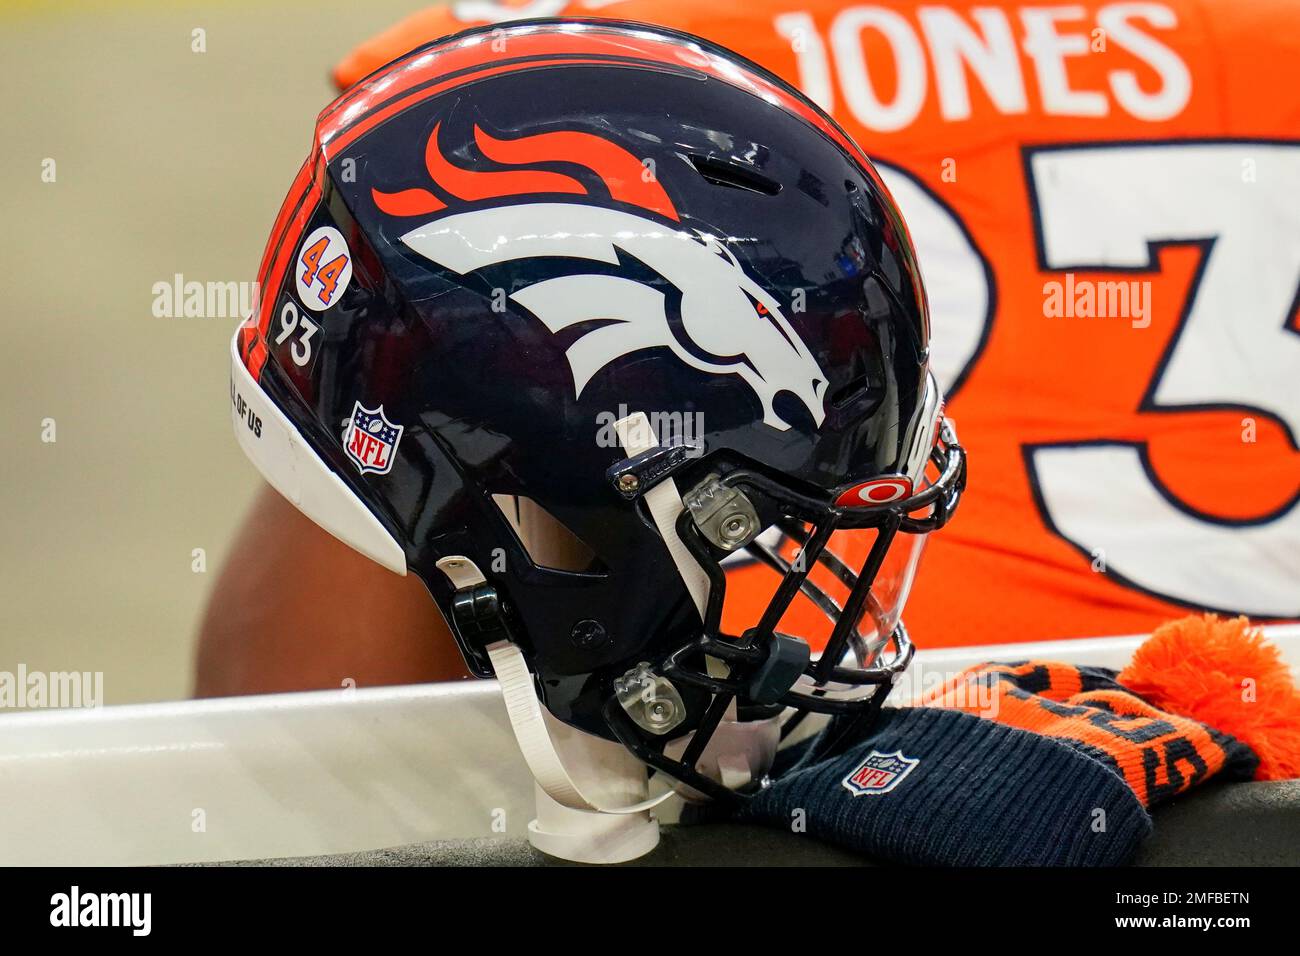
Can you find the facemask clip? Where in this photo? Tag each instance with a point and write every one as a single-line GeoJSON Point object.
{"type": "Point", "coordinates": [724, 515]}
{"type": "Point", "coordinates": [651, 701]}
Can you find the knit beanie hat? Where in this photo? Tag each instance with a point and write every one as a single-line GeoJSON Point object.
{"type": "Point", "coordinates": [1040, 763]}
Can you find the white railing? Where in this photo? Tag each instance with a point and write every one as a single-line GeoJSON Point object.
{"type": "Point", "coordinates": [311, 773]}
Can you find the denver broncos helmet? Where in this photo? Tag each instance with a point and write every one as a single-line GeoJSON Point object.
{"type": "Point", "coordinates": [617, 283]}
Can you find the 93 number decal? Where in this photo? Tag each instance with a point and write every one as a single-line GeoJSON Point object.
{"type": "Point", "coordinates": [291, 322]}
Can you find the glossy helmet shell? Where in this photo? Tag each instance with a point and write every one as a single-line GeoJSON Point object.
{"type": "Point", "coordinates": [531, 231]}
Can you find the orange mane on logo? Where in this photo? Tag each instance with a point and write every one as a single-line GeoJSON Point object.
{"type": "Point", "coordinates": [626, 178]}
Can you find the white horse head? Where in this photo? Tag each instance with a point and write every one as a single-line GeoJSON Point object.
{"type": "Point", "coordinates": [729, 324]}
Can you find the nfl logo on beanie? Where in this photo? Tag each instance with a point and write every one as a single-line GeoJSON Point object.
{"type": "Point", "coordinates": [879, 773]}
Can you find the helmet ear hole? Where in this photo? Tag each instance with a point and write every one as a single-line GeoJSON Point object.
{"type": "Point", "coordinates": [549, 542]}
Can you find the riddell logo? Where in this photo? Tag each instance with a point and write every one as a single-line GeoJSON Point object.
{"type": "Point", "coordinates": [674, 288]}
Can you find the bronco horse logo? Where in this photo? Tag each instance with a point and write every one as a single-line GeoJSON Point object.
{"type": "Point", "coordinates": [723, 322]}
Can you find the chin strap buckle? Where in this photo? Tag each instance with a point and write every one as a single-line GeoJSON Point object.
{"type": "Point", "coordinates": [478, 616]}
{"type": "Point", "coordinates": [477, 611]}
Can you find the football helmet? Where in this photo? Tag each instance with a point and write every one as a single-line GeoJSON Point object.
{"type": "Point", "coordinates": [623, 282]}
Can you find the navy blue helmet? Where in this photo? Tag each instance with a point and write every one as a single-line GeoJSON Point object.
{"type": "Point", "coordinates": [562, 316]}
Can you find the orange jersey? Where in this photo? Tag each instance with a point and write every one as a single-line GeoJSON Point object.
{"type": "Point", "coordinates": [1105, 199]}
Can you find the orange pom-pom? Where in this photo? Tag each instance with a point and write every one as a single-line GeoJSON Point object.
{"type": "Point", "coordinates": [1227, 675]}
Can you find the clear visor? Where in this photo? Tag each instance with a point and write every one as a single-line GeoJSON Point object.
{"type": "Point", "coordinates": [752, 580]}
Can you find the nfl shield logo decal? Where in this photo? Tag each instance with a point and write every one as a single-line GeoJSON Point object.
{"type": "Point", "coordinates": [879, 773]}
{"type": "Point", "coordinates": [370, 439]}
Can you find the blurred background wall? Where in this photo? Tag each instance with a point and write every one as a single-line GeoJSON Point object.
{"type": "Point", "coordinates": [166, 161]}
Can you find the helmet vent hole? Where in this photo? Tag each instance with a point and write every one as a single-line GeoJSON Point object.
{"type": "Point", "coordinates": [549, 542]}
{"type": "Point", "coordinates": [850, 391]}
{"type": "Point", "coordinates": [863, 384]}
{"type": "Point", "coordinates": [721, 172]}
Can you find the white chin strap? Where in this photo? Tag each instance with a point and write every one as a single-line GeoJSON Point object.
{"type": "Point", "coordinates": [599, 775]}
{"type": "Point", "coordinates": [541, 738]}
{"type": "Point", "coordinates": [664, 502]}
